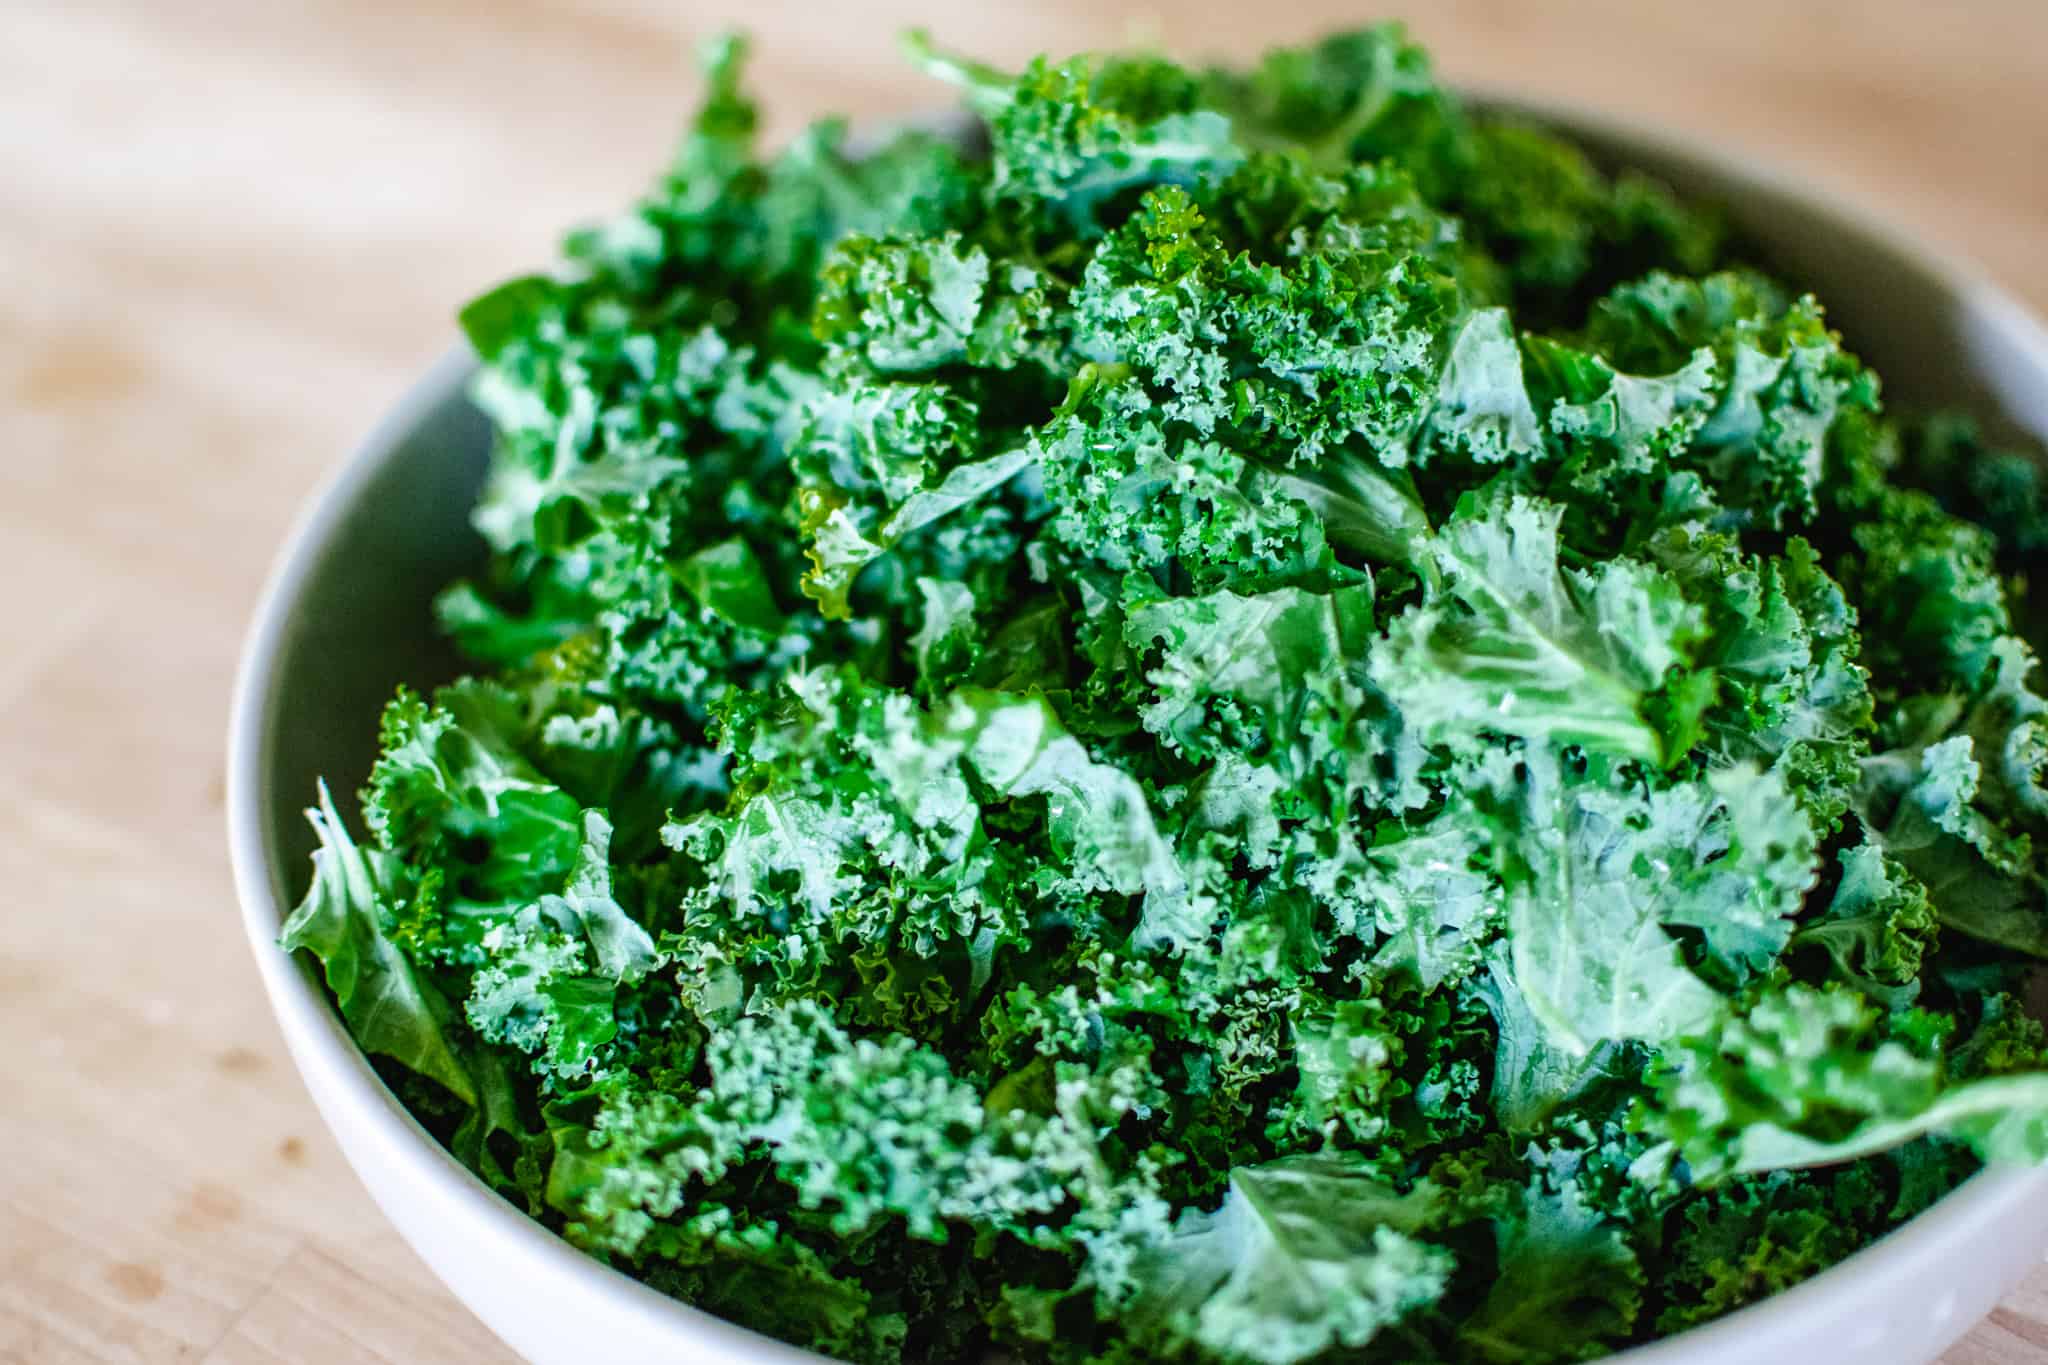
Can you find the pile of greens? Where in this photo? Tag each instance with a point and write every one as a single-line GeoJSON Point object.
{"type": "Point", "coordinates": [1263, 721]}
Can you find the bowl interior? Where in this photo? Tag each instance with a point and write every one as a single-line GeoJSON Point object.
{"type": "Point", "coordinates": [378, 543]}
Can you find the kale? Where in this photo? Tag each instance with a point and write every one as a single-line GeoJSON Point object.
{"type": "Point", "coordinates": [1274, 722]}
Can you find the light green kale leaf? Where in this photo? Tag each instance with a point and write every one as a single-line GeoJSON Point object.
{"type": "Point", "coordinates": [1878, 929]}
{"type": "Point", "coordinates": [1097, 817]}
{"type": "Point", "coordinates": [1982, 879]}
{"type": "Point", "coordinates": [1533, 1076]}
{"type": "Point", "coordinates": [1596, 872]}
{"type": "Point", "coordinates": [1435, 901]}
{"type": "Point", "coordinates": [844, 540]}
{"type": "Point", "coordinates": [391, 1006]}
{"type": "Point", "coordinates": [1482, 408]}
{"type": "Point", "coordinates": [1518, 645]}
{"type": "Point", "coordinates": [1305, 1254]}
{"type": "Point", "coordinates": [620, 947]}
{"type": "Point", "coordinates": [1272, 678]}
{"type": "Point", "coordinates": [1782, 648]}
{"type": "Point", "coordinates": [1807, 1077]}
{"type": "Point", "coordinates": [537, 992]}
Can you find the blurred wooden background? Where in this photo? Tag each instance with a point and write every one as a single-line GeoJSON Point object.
{"type": "Point", "coordinates": [232, 230]}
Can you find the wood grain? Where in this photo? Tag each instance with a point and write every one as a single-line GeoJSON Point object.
{"type": "Point", "coordinates": [232, 230]}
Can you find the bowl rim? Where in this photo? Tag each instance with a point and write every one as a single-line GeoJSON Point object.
{"type": "Point", "coordinates": [320, 1042]}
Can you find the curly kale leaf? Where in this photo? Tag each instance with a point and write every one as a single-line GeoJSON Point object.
{"type": "Point", "coordinates": [1569, 1283]}
{"type": "Point", "coordinates": [1878, 929]}
{"type": "Point", "coordinates": [1072, 134]}
{"type": "Point", "coordinates": [1304, 1254]}
{"type": "Point", "coordinates": [392, 1007]}
{"type": "Point", "coordinates": [1519, 645]}
{"type": "Point", "coordinates": [1806, 1077]}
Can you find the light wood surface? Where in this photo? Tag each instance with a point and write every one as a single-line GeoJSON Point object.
{"type": "Point", "coordinates": [232, 230]}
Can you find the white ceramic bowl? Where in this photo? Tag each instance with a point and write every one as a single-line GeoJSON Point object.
{"type": "Point", "coordinates": [345, 618]}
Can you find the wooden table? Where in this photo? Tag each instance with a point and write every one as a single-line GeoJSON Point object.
{"type": "Point", "coordinates": [231, 231]}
